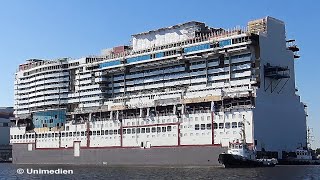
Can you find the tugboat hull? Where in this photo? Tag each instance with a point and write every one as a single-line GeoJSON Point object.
{"type": "Point", "coordinates": [235, 161]}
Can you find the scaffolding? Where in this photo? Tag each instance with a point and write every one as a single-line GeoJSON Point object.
{"type": "Point", "coordinates": [275, 74]}
{"type": "Point", "coordinates": [292, 46]}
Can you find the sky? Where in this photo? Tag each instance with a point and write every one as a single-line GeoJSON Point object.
{"type": "Point", "coordinates": [53, 29]}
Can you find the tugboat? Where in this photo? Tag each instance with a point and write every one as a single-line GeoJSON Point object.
{"type": "Point", "coordinates": [302, 156]}
{"type": "Point", "coordinates": [239, 155]}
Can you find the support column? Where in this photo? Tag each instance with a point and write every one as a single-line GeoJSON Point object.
{"type": "Point", "coordinates": [148, 112]}
{"type": "Point", "coordinates": [117, 115]}
{"type": "Point", "coordinates": [90, 117]}
{"type": "Point", "coordinates": [141, 112]}
{"type": "Point", "coordinates": [183, 108]}
{"type": "Point", "coordinates": [212, 106]}
{"type": "Point", "coordinates": [88, 134]}
{"type": "Point", "coordinates": [174, 109]}
{"type": "Point", "coordinates": [212, 121]}
{"type": "Point", "coordinates": [111, 115]}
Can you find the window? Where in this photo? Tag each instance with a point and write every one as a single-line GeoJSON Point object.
{"type": "Point", "coordinates": [227, 125]}
{"type": "Point", "coordinates": [220, 125]}
{"type": "Point", "coordinates": [106, 132]}
{"type": "Point", "coordinates": [147, 130]}
{"type": "Point", "coordinates": [98, 133]}
{"type": "Point", "coordinates": [158, 129]}
{"type": "Point", "coordinates": [240, 124]}
{"type": "Point", "coordinates": [203, 126]}
{"type": "Point", "coordinates": [164, 129]}
{"type": "Point", "coordinates": [128, 131]}
{"type": "Point", "coordinates": [115, 131]}
{"type": "Point", "coordinates": [196, 127]}
{"type": "Point", "coordinates": [234, 124]}
{"type": "Point", "coordinates": [94, 133]}
{"type": "Point", "coordinates": [110, 132]}
{"type": "Point", "coordinates": [168, 128]}
{"type": "Point", "coordinates": [138, 130]}
{"type": "Point", "coordinates": [215, 126]}
{"type": "Point", "coordinates": [143, 130]}
{"type": "Point", "coordinates": [153, 129]}
{"type": "Point", "coordinates": [124, 131]}
{"type": "Point", "coordinates": [90, 133]}
{"type": "Point", "coordinates": [82, 133]}
{"type": "Point", "coordinates": [208, 126]}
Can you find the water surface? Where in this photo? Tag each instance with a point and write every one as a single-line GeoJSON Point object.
{"type": "Point", "coordinates": [9, 171]}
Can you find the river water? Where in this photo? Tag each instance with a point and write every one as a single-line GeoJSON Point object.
{"type": "Point", "coordinates": [11, 171]}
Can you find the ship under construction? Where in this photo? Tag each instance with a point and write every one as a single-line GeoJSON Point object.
{"type": "Point", "coordinates": [175, 96]}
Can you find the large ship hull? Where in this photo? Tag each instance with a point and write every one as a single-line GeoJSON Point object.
{"type": "Point", "coordinates": [154, 156]}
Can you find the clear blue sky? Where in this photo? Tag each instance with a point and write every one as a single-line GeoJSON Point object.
{"type": "Point", "coordinates": [73, 28]}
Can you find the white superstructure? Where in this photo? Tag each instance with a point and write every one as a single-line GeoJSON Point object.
{"type": "Point", "coordinates": [185, 85]}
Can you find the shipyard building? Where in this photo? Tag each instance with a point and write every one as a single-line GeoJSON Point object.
{"type": "Point", "coordinates": [5, 148]}
{"type": "Point", "coordinates": [176, 95]}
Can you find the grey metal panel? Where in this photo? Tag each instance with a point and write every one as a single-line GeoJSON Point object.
{"type": "Point", "coordinates": [185, 156]}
